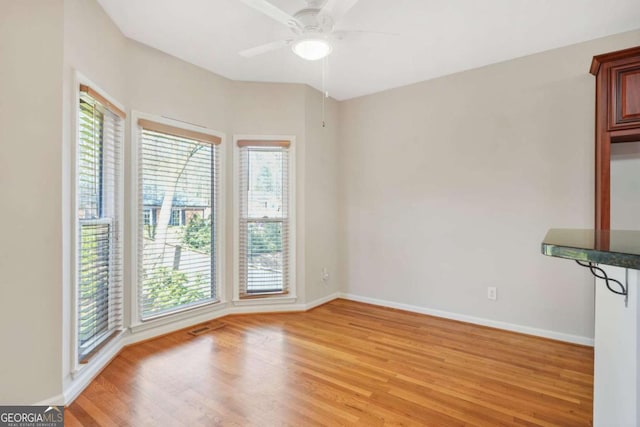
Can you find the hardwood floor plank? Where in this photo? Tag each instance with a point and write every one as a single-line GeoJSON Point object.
{"type": "Point", "coordinates": [344, 363]}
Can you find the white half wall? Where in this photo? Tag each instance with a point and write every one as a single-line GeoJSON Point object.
{"type": "Point", "coordinates": [617, 339]}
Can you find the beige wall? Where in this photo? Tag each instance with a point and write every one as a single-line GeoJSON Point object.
{"type": "Point", "coordinates": [625, 186]}
{"type": "Point", "coordinates": [321, 196]}
{"type": "Point", "coordinates": [450, 185]}
{"type": "Point", "coordinates": [160, 84]}
{"type": "Point", "coordinates": [94, 46]}
{"type": "Point", "coordinates": [30, 189]}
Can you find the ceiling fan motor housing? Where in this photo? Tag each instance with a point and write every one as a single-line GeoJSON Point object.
{"type": "Point", "coordinates": [313, 21]}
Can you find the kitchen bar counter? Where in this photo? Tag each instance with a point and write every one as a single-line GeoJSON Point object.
{"type": "Point", "coordinates": [614, 258]}
{"type": "Point", "coordinates": [620, 248]}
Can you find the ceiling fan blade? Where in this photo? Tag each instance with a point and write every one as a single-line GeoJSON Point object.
{"type": "Point", "coordinates": [337, 9]}
{"type": "Point", "coordinates": [273, 12]}
{"type": "Point", "coordinates": [259, 50]}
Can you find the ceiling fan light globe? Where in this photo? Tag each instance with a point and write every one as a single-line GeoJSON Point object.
{"type": "Point", "coordinates": [312, 49]}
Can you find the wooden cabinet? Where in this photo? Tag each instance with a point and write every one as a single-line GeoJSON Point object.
{"type": "Point", "coordinates": [617, 117]}
{"type": "Point", "coordinates": [624, 93]}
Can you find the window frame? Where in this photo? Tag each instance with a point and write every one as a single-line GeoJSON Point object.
{"type": "Point", "coordinates": [150, 213]}
{"type": "Point", "coordinates": [75, 222]}
{"type": "Point", "coordinates": [176, 212]}
{"type": "Point", "coordinates": [134, 214]}
{"type": "Point", "coordinates": [266, 298]}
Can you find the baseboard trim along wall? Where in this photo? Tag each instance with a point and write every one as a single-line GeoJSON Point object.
{"type": "Point", "coordinates": [544, 333]}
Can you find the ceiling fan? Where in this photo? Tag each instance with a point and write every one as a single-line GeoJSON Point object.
{"type": "Point", "coordinates": [312, 27]}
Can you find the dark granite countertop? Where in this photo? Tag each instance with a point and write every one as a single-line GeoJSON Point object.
{"type": "Point", "coordinates": [620, 248]}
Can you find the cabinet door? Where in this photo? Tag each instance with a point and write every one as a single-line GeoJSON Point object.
{"type": "Point", "coordinates": [624, 107]}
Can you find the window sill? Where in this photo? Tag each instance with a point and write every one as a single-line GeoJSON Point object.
{"type": "Point", "coordinates": [175, 318]}
{"type": "Point", "coordinates": [101, 355]}
{"type": "Point", "coordinates": [103, 343]}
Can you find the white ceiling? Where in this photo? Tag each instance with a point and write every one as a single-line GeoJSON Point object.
{"type": "Point", "coordinates": [435, 37]}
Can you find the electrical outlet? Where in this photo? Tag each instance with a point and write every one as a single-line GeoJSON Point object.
{"type": "Point", "coordinates": [324, 275]}
{"type": "Point", "coordinates": [492, 293]}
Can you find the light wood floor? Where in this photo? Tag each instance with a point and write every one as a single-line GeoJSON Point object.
{"type": "Point", "coordinates": [340, 364]}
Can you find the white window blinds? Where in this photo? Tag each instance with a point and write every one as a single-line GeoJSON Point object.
{"type": "Point", "coordinates": [178, 192]}
{"type": "Point", "coordinates": [264, 218]}
{"type": "Point", "coordinates": [99, 243]}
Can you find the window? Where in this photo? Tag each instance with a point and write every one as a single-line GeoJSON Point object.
{"type": "Point", "coordinates": [98, 189]}
{"type": "Point", "coordinates": [147, 217]}
{"type": "Point", "coordinates": [176, 217]}
{"type": "Point", "coordinates": [178, 168]}
{"type": "Point", "coordinates": [264, 218]}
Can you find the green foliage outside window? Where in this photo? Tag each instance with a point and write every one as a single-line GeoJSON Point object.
{"type": "Point", "coordinates": [265, 238]}
{"type": "Point", "coordinates": [168, 288]}
{"type": "Point", "coordinates": [197, 234]}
